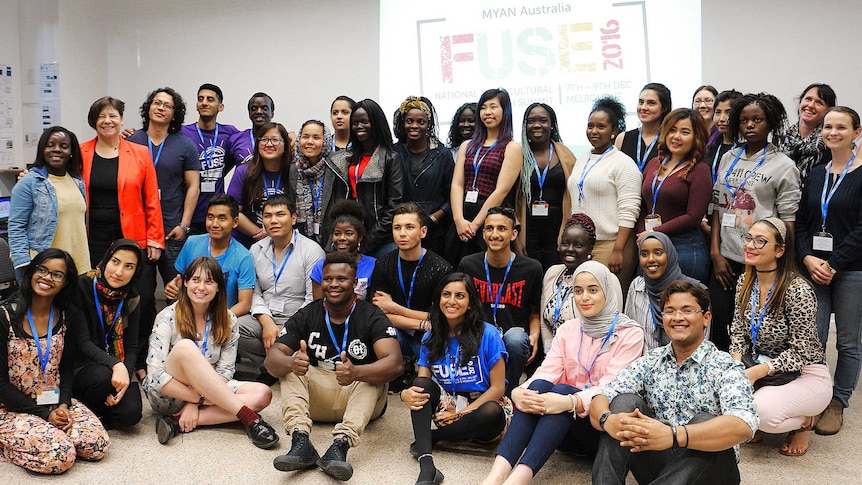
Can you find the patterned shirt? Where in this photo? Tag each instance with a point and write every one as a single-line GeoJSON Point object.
{"type": "Point", "coordinates": [490, 163]}
{"type": "Point", "coordinates": [707, 381]}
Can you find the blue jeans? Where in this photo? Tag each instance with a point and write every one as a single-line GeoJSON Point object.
{"type": "Point", "coordinates": [383, 250]}
{"type": "Point", "coordinates": [517, 343]}
{"type": "Point", "coordinates": [839, 298]}
{"type": "Point", "coordinates": [693, 255]}
{"type": "Point", "coordinates": [537, 436]}
{"type": "Point", "coordinates": [409, 343]}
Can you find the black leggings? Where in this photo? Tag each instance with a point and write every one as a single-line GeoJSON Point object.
{"type": "Point", "coordinates": [92, 385]}
{"type": "Point", "coordinates": [485, 423]}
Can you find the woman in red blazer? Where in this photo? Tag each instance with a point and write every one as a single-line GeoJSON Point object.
{"type": "Point", "coordinates": [122, 189]}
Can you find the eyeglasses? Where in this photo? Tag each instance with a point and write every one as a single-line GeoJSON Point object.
{"type": "Point", "coordinates": [270, 141]}
{"type": "Point", "coordinates": [161, 104]}
{"type": "Point", "coordinates": [56, 276]}
{"type": "Point", "coordinates": [757, 242]}
{"type": "Point", "coordinates": [685, 312]}
{"type": "Point", "coordinates": [706, 102]}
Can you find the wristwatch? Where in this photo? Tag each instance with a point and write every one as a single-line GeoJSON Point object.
{"type": "Point", "coordinates": [604, 418]}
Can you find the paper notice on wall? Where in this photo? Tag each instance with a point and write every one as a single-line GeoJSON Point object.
{"type": "Point", "coordinates": [49, 94]}
{"type": "Point", "coordinates": [7, 152]}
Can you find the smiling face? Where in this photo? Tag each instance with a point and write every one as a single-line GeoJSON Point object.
{"type": "Point", "coordinates": [575, 247]}
{"type": "Point", "coordinates": [812, 108]}
{"type": "Point", "coordinates": [220, 222]}
{"type": "Point", "coordinates": [680, 139]}
{"type": "Point", "coordinates": [703, 103]}
{"type": "Point", "coordinates": [766, 257]}
{"type": "Point", "coordinates": [109, 123]}
{"type": "Point", "coordinates": [416, 124]}
{"type": "Point", "coordinates": [838, 131]}
{"type": "Point", "coordinates": [361, 125]}
{"type": "Point", "coordinates": [259, 111]}
{"type": "Point", "coordinates": [311, 141]}
{"type": "Point", "coordinates": [539, 125]}
{"type": "Point", "coordinates": [753, 125]}
{"type": "Point", "coordinates": [201, 288]}
{"type": "Point", "coordinates": [162, 108]}
{"type": "Point", "coordinates": [269, 150]}
{"type": "Point", "coordinates": [120, 268]}
{"type": "Point", "coordinates": [721, 115]}
{"type": "Point", "coordinates": [454, 302]}
{"type": "Point", "coordinates": [491, 113]}
{"type": "Point", "coordinates": [686, 331]}
{"type": "Point", "coordinates": [58, 152]}
{"type": "Point", "coordinates": [589, 297]}
{"type": "Point", "coordinates": [208, 104]}
{"type": "Point", "coordinates": [337, 284]}
{"type": "Point", "coordinates": [345, 238]}
{"type": "Point", "coordinates": [649, 106]}
{"type": "Point", "coordinates": [498, 232]}
{"type": "Point", "coordinates": [653, 258]}
{"type": "Point", "coordinates": [340, 115]}
{"type": "Point", "coordinates": [600, 131]}
{"type": "Point", "coordinates": [42, 280]}
{"type": "Point", "coordinates": [467, 123]}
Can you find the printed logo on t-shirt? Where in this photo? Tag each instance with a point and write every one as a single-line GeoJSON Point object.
{"type": "Point", "coordinates": [319, 350]}
{"type": "Point", "coordinates": [469, 374]}
{"type": "Point", "coordinates": [513, 293]}
{"type": "Point", "coordinates": [358, 349]}
{"type": "Point", "coordinates": [390, 331]}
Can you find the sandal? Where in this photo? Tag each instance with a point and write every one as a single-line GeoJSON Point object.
{"type": "Point", "coordinates": [787, 447]}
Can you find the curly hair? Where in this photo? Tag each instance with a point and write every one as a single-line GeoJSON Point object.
{"type": "Point", "coordinates": [776, 116]}
{"type": "Point", "coordinates": [179, 109]}
{"type": "Point", "coordinates": [455, 139]}
{"type": "Point", "coordinates": [615, 110]}
{"type": "Point", "coordinates": [583, 221]}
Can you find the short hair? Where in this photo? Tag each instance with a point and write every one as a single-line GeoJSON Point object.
{"type": "Point", "coordinates": [705, 87]}
{"type": "Point", "coordinates": [346, 211]}
{"type": "Point", "coordinates": [76, 163]}
{"type": "Point", "coordinates": [349, 100]}
{"type": "Point", "coordinates": [262, 95]}
{"type": "Point", "coordinates": [336, 257]}
{"type": "Point", "coordinates": [100, 104]}
{"type": "Point", "coordinates": [824, 92]}
{"type": "Point", "coordinates": [664, 98]}
{"type": "Point", "coordinates": [615, 110]}
{"type": "Point", "coordinates": [682, 286]}
{"type": "Point", "coordinates": [179, 109]}
{"type": "Point", "coordinates": [213, 88]}
{"type": "Point", "coordinates": [410, 208]}
{"type": "Point", "coordinates": [854, 116]}
{"type": "Point", "coordinates": [776, 116]}
{"type": "Point", "coordinates": [224, 199]}
{"type": "Point", "coordinates": [280, 199]}
{"type": "Point", "coordinates": [455, 139]}
{"type": "Point", "coordinates": [505, 211]}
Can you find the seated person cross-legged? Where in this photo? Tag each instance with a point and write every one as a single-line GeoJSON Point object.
{"type": "Point", "coordinates": [676, 414]}
{"type": "Point", "coordinates": [334, 358]}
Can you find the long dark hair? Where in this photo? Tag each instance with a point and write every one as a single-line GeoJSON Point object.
{"type": "Point", "coordinates": [471, 328]}
{"type": "Point", "coordinates": [776, 116]}
{"type": "Point", "coordinates": [505, 134]}
{"type": "Point", "coordinates": [380, 134]}
{"type": "Point", "coordinates": [75, 164]}
{"type": "Point", "coordinates": [63, 299]}
{"type": "Point", "coordinates": [785, 273]}
{"type": "Point", "coordinates": [455, 139]}
{"type": "Point", "coordinates": [698, 146]}
{"type": "Point", "coordinates": [252, 186]}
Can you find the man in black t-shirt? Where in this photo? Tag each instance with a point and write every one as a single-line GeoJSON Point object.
{"type": "Point", "coordinates": [334, 358]}
{"type": "Point", "coordinates": [511, 288]}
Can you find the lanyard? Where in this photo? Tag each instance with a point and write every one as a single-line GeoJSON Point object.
{"type": "Point", "coordinates": [250, 137]}
{"type": "Point", "coordinates": [159, 153]}
{"type": "Point", "coordinates": [496, 303]}
{"type": "Point", "coordinates": [335, 148]}
{"type": "Point", "coordinates": [656, 190]}
{"type": "Point", "coordinates": [409, 294]}
{"type": "Point", "coordinates": [478, 164]}
{"type": "Point", "coordinates": [655, 323]}
{"type": "Point", "coordinates": [205, 342]}
{"type": "Point", "coordinates": [43, 356]}
{"type": "Point", "coordinates": [276, 185]}
{"type": "Point", "coordinates": [106, 331]}
{"type": "Point", "coordinates": [277, 275]}
{"type": "Point", "coordinates": [338, 348]}
{"type": "Point", "coordinates": [453, 364]}
{"type": "Point", "coordinates": [315, 196]}
{"type": "Point", "coordinates": [208, 155]}
{"type": "Point", "coordinates": [643, 159]}
{"type": "Point", "coordinates": [825, 199]}
{"type": "Point", "coordinates": [589, 369]}
{"type": "Point", "coordinates": [715, 160]}
{"type": "Point", "coordinates": [755, 323]}
{"type": "Point", "coordinates": [542, 175]}
{"type": "Point", "coordinates": [586, 170]}
{"type": "Point", "coordinates": [559, 301]}
{"type": "Point", "coordinates": [745, 180]}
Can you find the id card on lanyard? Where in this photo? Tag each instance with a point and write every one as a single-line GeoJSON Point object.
{"type": "Point", "coordinates": [823, 241]}
{"type": "Point", "coordinates": [472, 195]}
{"type": "Point", "coordinates": [653, 219]}
{"type": "Point", "coordinates": [729, 217]}
{"type": "Point", "coordinates": [539, 207]}
{"type": "Point", "coordinates": [208, 186]}
{"type": "Point", "coordinates": [46, 394]}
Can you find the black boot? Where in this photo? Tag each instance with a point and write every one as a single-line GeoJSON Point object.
{"type": "Point", "coordinates": [261, 434]}
{"type": "Point", "coordinates": [301, 455]}
{"type": "Point", "coordinates": [166, 428]}
{"type": "Point", "coordinates": [334, 461]}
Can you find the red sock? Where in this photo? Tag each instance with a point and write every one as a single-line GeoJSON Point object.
{"type": "Point", "coordinates": [247, 416]}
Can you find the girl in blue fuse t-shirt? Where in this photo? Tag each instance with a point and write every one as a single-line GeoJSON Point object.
{"type": "Point", "coordinates": [462, 376]}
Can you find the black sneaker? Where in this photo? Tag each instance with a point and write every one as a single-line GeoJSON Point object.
{"type": "Point", "coordinates": [334, 461]}
{"type": "Point", "coordinates": [301, 455]}
{"type": "Point", "coordinates": [166, 428]}
{"type": "Point", "coordinates": [261, 434]}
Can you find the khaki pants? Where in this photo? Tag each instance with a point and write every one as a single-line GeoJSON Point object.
{"type": "Point", "coordinates": [602, 253]}
{"type": "Point", "coordinates": [317, 396]}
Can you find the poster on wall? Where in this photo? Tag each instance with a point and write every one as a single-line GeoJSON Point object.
{"type": "Point", "coordinates": [49, 94]}
{"type": "Point", "coordinates": [7, 152]}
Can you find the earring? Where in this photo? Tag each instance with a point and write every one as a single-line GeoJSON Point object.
{"type": "Point", "coordinates": [589, 256]}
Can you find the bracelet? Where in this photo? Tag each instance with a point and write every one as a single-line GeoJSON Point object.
{"type": "Point", "coordinates": [685, 428]}
{"type": "Point", "coordinates": [673, 432]}
{"type": "Point", "coordinates": [201, 401]}
{"type": "Point", "coordinates": [185, 229]}
{"type": "Point", "coordinates": [574, 404]}
{"type": "Point", "coordinates": [771, 366]}
{"type": "Point", "coordinates": [433, 219]}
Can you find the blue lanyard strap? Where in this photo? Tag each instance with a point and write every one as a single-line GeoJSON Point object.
{"type": "Point", "coordinates": [586, 170]}
{"type": "Point", "coordinates": [408, 294]}
{"type": "Point", "coordinates": [643, 159]}
{"type": "Point", "coordinates": [338, 348]}
{"type": "Point", "coordinates": [315, 195]}
{"type": "Point", "coordinates": [825, 199]}
{"type": "Point", "coordinates": [454, 362]}
{"type": "Point", "coordinates": [542, 175]}
{"type": "Point", "coordinates": [43, 356]}
{"type": "Point", "coordinates": [159, 153]}
{"type": "Point", "coordinates": [276, 274]}
{"type": "Point", "coordinates": [745, 180]}
{"type": "Point", "coordinates": [715, 160]}
{"type": "Point", "coordinates": [478, 164]}
{"type": "Point", "coordinates": [251, 137]}
{"type": "Point", "coordinates": [205, 342]}
{"type": "Point", "coordinates": [559, 300]}
{"type": "Point", "coordinates": [758, 321]}
{"type": "Point", "coordinates": [106, 331]}
{"type": "Point", "coordinates": [656, 190]}
{"type": "Point", "coordinates": [208, 155]}
{"type": "Point", "coordinates": [496, 303]}
{"type": "Point", "coordinates": [274, 189]}
{"type": "Point", "coordinates": [589, 369]}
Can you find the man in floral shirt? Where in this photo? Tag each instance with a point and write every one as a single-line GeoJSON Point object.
{"type": "Point", "coordinates": [676, 414]}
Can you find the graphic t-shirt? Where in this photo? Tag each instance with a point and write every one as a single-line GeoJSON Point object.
{"type": "Point", "coordinates": [476, 375]}
{"type": "Point", "coordinates": [242, 146]}
{"type": "Point", "coordinates": [215, 160]}
{"type": "Point", "coordinates": [272, 183]}
{"type": "Point", "coordinates": [364, 270]}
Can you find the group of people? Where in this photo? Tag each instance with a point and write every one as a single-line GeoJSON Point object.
{"type": "Point", "coordinates": [670, 320]}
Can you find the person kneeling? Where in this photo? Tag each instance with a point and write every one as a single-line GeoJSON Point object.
{"type": "Point", "coordinates": [334, 358]}
{"type": "Point", "coordinates": [191, 363]}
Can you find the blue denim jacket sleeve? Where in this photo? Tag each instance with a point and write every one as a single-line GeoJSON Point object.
{"type": "Point", "coordinates": [32, 217]}
{"type": "Point", "coordinates": [20, 211]}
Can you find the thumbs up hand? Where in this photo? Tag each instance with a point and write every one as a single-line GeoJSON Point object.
{"type": "Point", "coordinates": [344, 371]}
{"type": "Point", "coordinates": [300, 359]}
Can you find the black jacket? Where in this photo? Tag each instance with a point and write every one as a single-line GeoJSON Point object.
{"type": "Point", "coordinates": [430, 189]}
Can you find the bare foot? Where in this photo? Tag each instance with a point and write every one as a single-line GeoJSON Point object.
{"type": "Point", "coordinates": [796, 443]}
{"type": "Point", "coordinates": [758, 437]}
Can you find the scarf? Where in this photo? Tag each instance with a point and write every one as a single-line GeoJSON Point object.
{"type": "Point", "coordinates": [655, 287]}
{"type": "Point", "coordinates": [108, 298]}
{"type": "Point", "coordinates": [310, 177]}
{"type": "Point", "coordinates": [598, 326]}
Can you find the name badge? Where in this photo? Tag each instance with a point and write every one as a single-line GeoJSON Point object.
{"type": "Point", "coordinates": [652, 221]}
{"type": "Point", "coordinates": [579, 211]}
{"type": "Point", "coordinates": [728, 219]}
{"type": "Point", "coordinates": [472, 196]}
{"type": "Point", "coordinates": [762, 359]}
{"type": "Point", "coordinates": [47, 397]}
{"type": "Point", "coordinates": [160, 194]}
{"type": "Point", "coordinates": [710, 208]}
{"type": "Point", "coordinates": [315, 228]}
{"type": "Point", "coordinates": [460, 403]}
{"type": "Point", "coordinates": [540, 208]}
{"type": "Point", "coordinates": [822, 242]}
{"type": "Point", "coordinates": [276, 305]}
{"type": "Point", "coordinates": [208, 186]}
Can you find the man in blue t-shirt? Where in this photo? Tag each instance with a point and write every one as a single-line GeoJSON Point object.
{"type": "Point", "coordinates": [235, 260]}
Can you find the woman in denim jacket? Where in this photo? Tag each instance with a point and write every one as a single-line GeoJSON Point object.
{"type": "Point", "coordinates": [46, 210]}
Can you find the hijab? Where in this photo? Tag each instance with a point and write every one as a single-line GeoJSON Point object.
{"type": "Point", "coordinates": [599, 325]}
{"type": "Point", "coordinates": [109, 298]}
{"type": "Point", "coordinates": [654, 288]}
